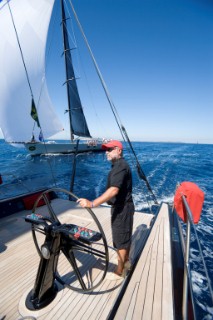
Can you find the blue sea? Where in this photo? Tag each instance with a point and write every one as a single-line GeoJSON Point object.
{"type": "Point", "coordinates": [165, 165]}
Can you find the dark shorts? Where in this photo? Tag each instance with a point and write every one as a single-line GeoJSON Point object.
{"type": "Point", "coordinates": [122, 223]}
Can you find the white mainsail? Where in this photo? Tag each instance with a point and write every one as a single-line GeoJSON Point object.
{"type": "Point", "coordinates": [31, 19]}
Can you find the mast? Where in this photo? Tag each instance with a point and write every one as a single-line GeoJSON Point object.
{"type": "Point", "coordinates": [78, 124]}
{"type": "Point", "coordinates": [64, 31]}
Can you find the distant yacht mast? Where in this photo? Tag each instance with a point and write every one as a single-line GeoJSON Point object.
{"type": "Point", "coordinates": [78, 125]}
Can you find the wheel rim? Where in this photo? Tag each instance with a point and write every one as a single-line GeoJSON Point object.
{"type": "Point", "coordinates": [89, 254]}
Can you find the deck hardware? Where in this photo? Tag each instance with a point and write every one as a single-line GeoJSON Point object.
{"type": "Point", "coordinates": [45, 251]}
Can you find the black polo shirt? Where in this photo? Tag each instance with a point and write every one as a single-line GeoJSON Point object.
{"type": "Point", "coordinates": [120, 176]}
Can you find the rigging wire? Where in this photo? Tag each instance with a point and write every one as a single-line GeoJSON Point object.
{"type": "Point", "coordinates": [28, 81]}
{"type": "Point", "coordinates": [21, 52]}
{"type": "Point", "coordinates": [191, 221]}
{"type": "Point", "coordinates": [202, 258]}
{"type": "Point", "coordinates": [81, 66]}
{"type": "Point", "coordinates": [124, 134]}
{"type": "Point", "coordinates": [71, 80]}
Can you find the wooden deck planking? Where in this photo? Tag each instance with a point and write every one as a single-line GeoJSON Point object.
{"type": "Point", "coordinates": [149, 292]}
{"type": "Point", "coordinates": [167, 313]}
{"type": "Point", "coordinates": [157, 306]}
{"type": "Point", "coordinates": [19, 262]}
{"type": "Point", "coordinates": [91, 303]}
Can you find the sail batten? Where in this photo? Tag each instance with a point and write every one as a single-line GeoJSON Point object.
{"type": "Point", "coordinates": [31, 19]}
{"type": "Point", "coordinates": [78, 124]}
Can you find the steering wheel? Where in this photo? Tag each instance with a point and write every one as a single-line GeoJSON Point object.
{"type": "Point", "coordinates": [76, 255]}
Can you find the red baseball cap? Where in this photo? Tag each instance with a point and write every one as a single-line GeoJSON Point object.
{"type": "Point", "coordinates": [112, 144]}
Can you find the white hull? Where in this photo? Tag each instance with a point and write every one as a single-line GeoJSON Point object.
{"type": "Point", "coordinates": [63, 148]}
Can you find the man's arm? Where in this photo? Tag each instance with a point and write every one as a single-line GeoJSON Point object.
{"type": "Point", "coordinates": [106, 196]}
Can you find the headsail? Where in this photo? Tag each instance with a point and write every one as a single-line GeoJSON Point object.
{"type": "Point", "coordinates": [78, 122]}
{"type": "Point", "coordinates": [31, 19]}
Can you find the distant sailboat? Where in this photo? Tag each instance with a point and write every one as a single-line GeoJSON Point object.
{"type": "Point", "coordinates": [26, 113]}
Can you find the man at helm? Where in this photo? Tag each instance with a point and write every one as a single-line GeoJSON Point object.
{"type": "Point", "coordinates": [118, 194]}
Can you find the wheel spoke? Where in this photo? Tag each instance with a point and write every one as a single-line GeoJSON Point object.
{"type": "Point", "coordinates": [77, 252]}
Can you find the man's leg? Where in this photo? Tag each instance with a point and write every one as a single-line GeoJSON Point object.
{"type": "Point", "coordinates": [122, 258]}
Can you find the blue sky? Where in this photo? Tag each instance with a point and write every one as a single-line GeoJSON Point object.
{"type": "Point", "coordinates": [156, 57]}
{"type": "Point", "coordinates": [157, 60]}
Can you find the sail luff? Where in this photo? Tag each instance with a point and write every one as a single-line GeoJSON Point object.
{"type": "Point", "coordinates": [78, 124]}
{"type": "Point", "coordinates": [31, 20]}
{"type": "Point", "coordinates": [66, 67]}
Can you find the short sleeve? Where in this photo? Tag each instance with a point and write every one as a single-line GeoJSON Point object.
{"type": "Point", "coordinates": [117, 177]}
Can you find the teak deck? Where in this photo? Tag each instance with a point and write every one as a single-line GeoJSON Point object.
{"type": "Point", "coordinates": [148, 294]}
